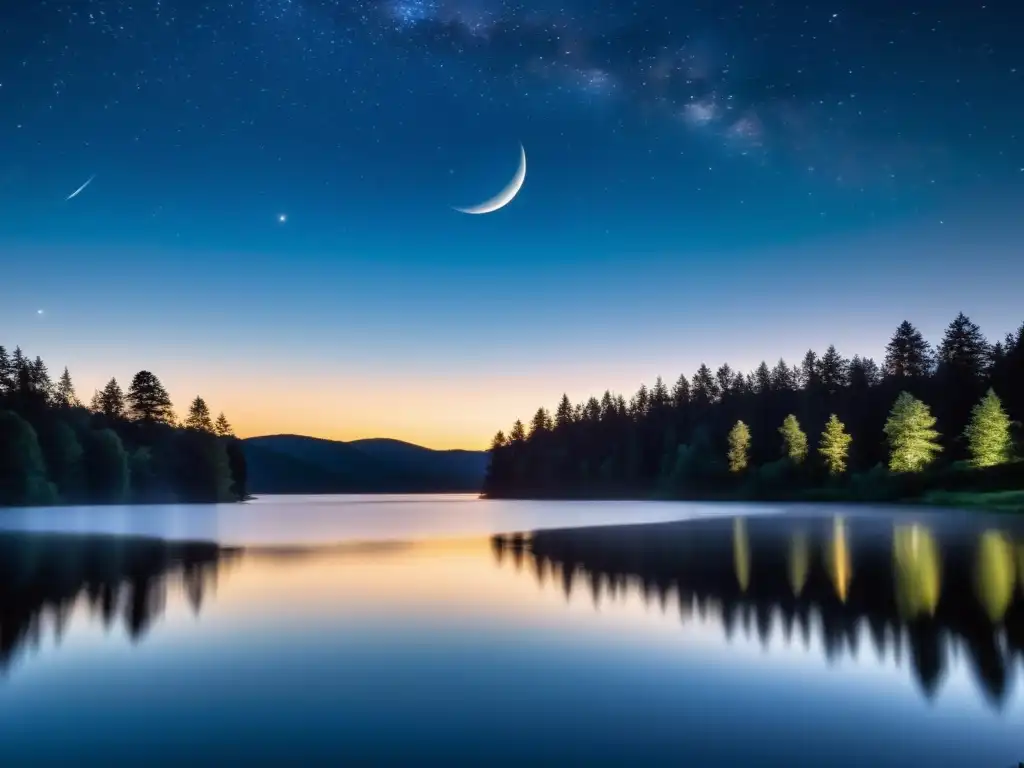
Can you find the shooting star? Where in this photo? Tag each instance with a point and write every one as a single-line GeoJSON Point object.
{"type": "Point", "coordinates": [77, 191]}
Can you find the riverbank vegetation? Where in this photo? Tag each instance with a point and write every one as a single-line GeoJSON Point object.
{"type": "Point", "coordinates": [124, 447]}
{"type": "Point", "coordinates": [928, 421]}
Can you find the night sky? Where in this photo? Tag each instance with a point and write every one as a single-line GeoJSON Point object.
{"type": "Point", "coordinates": [270, 220]}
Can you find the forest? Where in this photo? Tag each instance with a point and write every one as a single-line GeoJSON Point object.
{"type": "Point", "coordinates": [124, 447]}
{"type": "Point", "coordinates": [928, 423]}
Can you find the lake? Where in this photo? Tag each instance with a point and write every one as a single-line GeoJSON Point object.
{"type": "Point", "coordinates": [450, 630]}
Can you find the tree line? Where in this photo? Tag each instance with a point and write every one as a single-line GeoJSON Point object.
{"type": "Point", "coordinates": [927, 418]}
{"type": "Point", "coordinates": [124, 447]}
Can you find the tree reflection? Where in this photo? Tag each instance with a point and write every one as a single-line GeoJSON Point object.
{"type": "Point", "coordinates": [43, 578]}
{"type": "Point", "coordinates": [922, 594]}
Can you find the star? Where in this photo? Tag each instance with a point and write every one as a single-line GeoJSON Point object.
{"type": "Point", "coordinates": [39, 311]}
{"type": "Point", "coordinates": [282, 218]}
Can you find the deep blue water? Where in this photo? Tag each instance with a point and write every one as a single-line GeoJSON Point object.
{"type": "Point", "coordinates": [402, 632]}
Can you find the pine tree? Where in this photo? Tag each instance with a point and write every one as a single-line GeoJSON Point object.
{"type": "Point", "coordinates": [7, 378]}
{"type": "Point", "coordinates": [40, 378]}
{"type": "Point", "coordinates": [540, 424]}
{"type": "Point", "coordinates": [563, 414]}
{"type": "Point", "coordinates": [794, 440]}
{"type": "Point", "coordinates": [96, 404]}
{"type": "Point", "coordinates": [833, 370]}
{"type": "Point", "coordinates": [148, 401]}
{"type": "Point", "coordinates": [834, 445]}
{"type": "Point", "coordinates": [497, 443]}
{"type": "Point", "coordinates": [199, 416]}
{"type": "Point", "coordinates": [705, 389]}
{"type": "Point", "coordinates": [864, 373]}
{"type": "Point", "coordinates": [964, 348]}
{"type": "Point", "coordinates": [64, 393]}
{"type": "Point", "coordinates": [640, 402]}
{"type": "Point", "coordinates": [111, 400]}
{"type": "Point", "coordinates": [908, 355]}
{"type": "Point", "coordinates": [21, 370]}
{"type": "Point", "coordinates": [222, 428]}
{"type": "Point", "coordinates": [988, 433]}
{"type": "Point", "coordinates": [910, 430]}
{"type": "Point", "coordinates": [762, 378]}
{"type": "Point", "coordinates": [681, 392]}
{"type": "Point", "coordinates": [739, 447]}
{"type": "Point", "coordinates": [809, 376]}
{"type": "Point", "coordinates": [724, 378]}
{"type": "Point", "coordinates": [784, 378]}
{"type": "Point", "coordinates": [518, 433]}
{"type": "Point", "coordinates": [660, 397]}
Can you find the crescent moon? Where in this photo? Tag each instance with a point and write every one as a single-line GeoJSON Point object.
{"type": "Point", "coordinates": [504, 197]}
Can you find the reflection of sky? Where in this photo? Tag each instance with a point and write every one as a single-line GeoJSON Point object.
{"type": "Point", "coordinates": [436, 645]}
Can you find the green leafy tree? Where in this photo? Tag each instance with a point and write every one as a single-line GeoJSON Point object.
{"type": "Point", "coordinates": [988, 433]}
{"type": "Point", "coordinates": [22, 469]}
{"type": "Point", "coordinates": [148, 401]}
{"type": "Point", "coordinates": [794, 440]}
{"type": "Point", "coordinates": [834, 445]}
{"type": "Point", "coordinates": [739, 447]}
{"type": "Point", "coordinates": [106, 467]}
{"type": "Point", "coordinates": [199, 416]}
{"type": "Point", "coordinates": [64, 393]}
{"type": "Point", "coordinates": [222, 428]}
{"type": "Point", "coordinates": [111, 402]}
{"type": "Point", "coordinates": [910, 431]}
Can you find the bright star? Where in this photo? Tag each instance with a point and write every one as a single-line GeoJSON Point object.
{"type": "Point", "coordinates": [282, 218]}
{"type": "Point", "coordinates": [39, 311]}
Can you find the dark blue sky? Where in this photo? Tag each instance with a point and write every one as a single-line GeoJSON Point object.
{"type": "Point", "coordinates": [715, 181]}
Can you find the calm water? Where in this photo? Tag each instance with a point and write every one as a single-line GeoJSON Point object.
{"type": "Point", "coordinates": [404, 631]}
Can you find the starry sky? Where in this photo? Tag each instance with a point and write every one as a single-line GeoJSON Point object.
{"type": "Point", "coordinates": [270, 221]}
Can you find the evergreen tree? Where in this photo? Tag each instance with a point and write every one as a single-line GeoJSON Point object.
{"type": "Point", "coordinates": [784, 378]}
{"type": "Point", "coordinates": [64, 393]}
{"type": "Point", "coordinates": [7, 377]}
{"type": "Point", "coordinates": [106, 467]}
{"type": "Point", "coordinates": [833, 370]}
{"type": "Point", "coordinates": [518, 433]}
{"type": "Point", "coordinates": [810, 378]}
{"type": "Point", "coordinates": [863, 373]}
{"type": "Point", "coordinates": [910, 430]}
{"type": "Point", "coordinates": [705, 389]}
{"type": "Point", "coordinates": [563, 414]}
{"type": "Point", "coordinates": [222, 428]}
{"type": "Point", "coordinates": [794, 440]}
{"type": "Point", "coordinates": [762, 378]}
{"type": "Point", "coordinates": [96, 403]}
{"type": "Point", "coordinates": [21, 369]}
{"type": "Point", "coordinates": [41, 382]}
{"type": "Point", "coordinates": [724, 379]}
{"type": "Point", "coordinates": [681, 392]}
{"type": "Point", "coordinates": [964, 348]}
{"type": "Point", "coordinates": [148, 401]}
{"type": "Point", "coordinates": [908, 355]}
{"type": "Point", "coordinates": [988, 433]}
{"type": "Point", "coordinates": [540, 424]}
{"type": "Point", "coordinates": [111, 401]}
{"type": "Point", "coordinates": [660, 397]}
{"type": "Point", "coordinates": [199, 416]}
{"type": "Point", "coordinates": [834, 445]}
{"type": "Point", "coordinates": [739, 447]}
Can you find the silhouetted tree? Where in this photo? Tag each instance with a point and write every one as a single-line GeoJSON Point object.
{"type": "Point", "coordinates": [199, 416]}
{"type": "Point", "coordinates": [111, 401]}
{"type": "Point", "coordinates": [22, 471]}
{"type": "Point", "coordinates": [7, 373]}
{"type": "Point", "coordinates": [64, 393]}
{"type": "Point", "coordinates": [222, 428]}
{"type": "Point", "coordinates": [106, 467]}
{"type": "Point", "coordinates": [148, 401]}
{"type": "Point", "coordinates": [908, 355]}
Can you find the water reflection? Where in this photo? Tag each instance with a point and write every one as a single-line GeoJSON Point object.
{"type": "Point", "coordinates": [931, 593]}
{"type": "Point", "coordinates": [43, 578]}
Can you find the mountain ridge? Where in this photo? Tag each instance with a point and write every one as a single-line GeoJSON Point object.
{"type": "Point", "coordinates": [295, 464]}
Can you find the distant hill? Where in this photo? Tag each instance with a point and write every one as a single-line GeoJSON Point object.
{"type": "Point", "coordinates": [298, 464]}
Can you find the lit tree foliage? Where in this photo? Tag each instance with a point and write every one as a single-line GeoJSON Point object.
{"type": "Point", "coordinates": [911, 433]}
{"type": "Point", "coordinates": [834, 445]}
{"type": "Point", "coordinates": [988, 433]}
{"type": "Point", "coordinates": [794, 440]}
{"type": "Point", "coordinates": [739, 447]}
